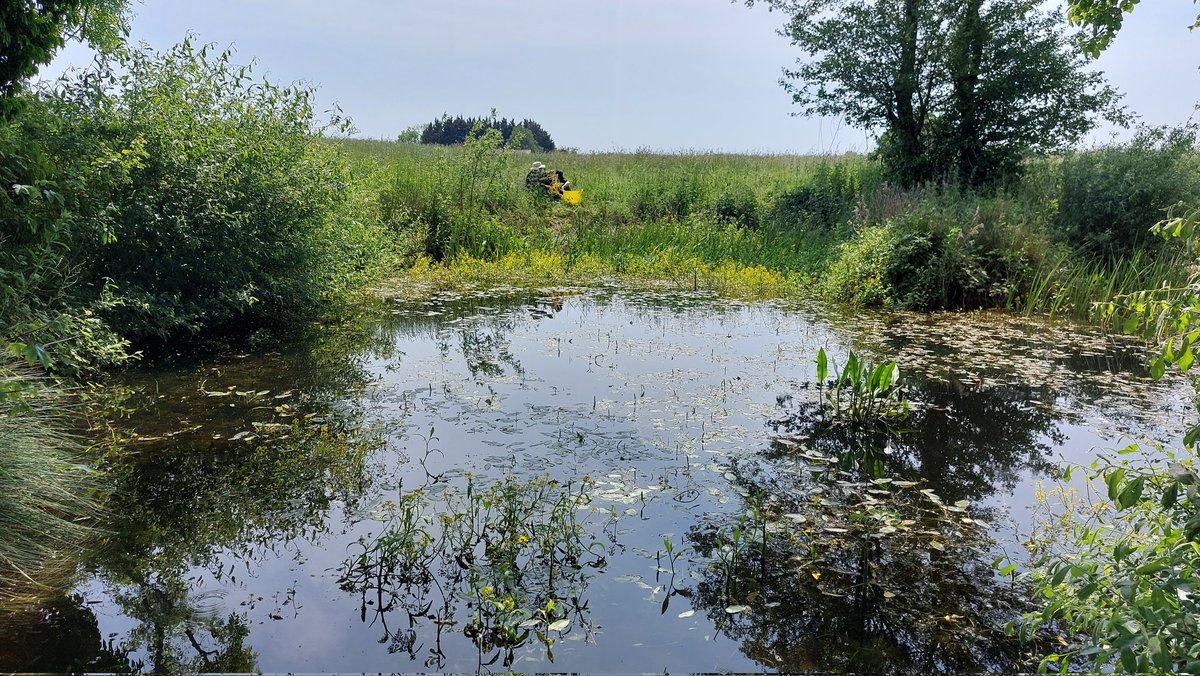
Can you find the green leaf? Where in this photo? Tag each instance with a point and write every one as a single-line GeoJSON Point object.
{"type": "Point", "coordinates": [822, 366]}
{"type": "Point", "coordinates": [1170, 496]}
{"type": "Point", "coordinates": [1087, 590]}
{"type": "Point", "coordinates": [1158, 367]}
{"type": "Point", "coordinates": [1113, 481]}
{"type": "Point", "coordinates": [1132, 492]}
{"type": "Point", "coordinates": [1186, 359]}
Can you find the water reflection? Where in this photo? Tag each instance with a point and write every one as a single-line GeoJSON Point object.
{"type": "Point", "coordinates": [826, 572]}
{"type": "Point", "coordinates": [967, 442]}
{"type": "Point", "coordinates": [357, 472]}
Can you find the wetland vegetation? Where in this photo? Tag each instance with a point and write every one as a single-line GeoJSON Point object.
{"type": "Point", "coordinates": [276, 399]}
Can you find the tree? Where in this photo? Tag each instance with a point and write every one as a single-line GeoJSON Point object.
{"type": "Point", "coordinates": [449, 131]}
{"type": "Point", "coordinates": [522, 139]}
{"type": "Point", "coordinates": [958, 88]}
{"type": "Point", "coordinates": [31, 31]}
{"type": "Point", "coordinates": [1101, 19]}
{"type": "Point", "coordinates": [412, 135]}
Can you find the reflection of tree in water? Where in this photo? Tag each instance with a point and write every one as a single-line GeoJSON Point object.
{"type": "Point", "coordinates": [486, 352]}
{"type": "Point", "coordinates": [188, 502]}
{"type": "Point", "coordinates": [178, 633]}
{"type": "Point", "coordinates": [181, 630]}
{"type": "Point", "coordinates": [859, 550]}
{"type": "Point", "coordinates": [840, 574]}
{"type": "Point", "coordinates": [63, 636]}
{"type": "Point", "coordinates": [965, 443]}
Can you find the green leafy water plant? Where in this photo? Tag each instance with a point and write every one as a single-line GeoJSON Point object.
{"type": "Point", "coordinates": [861, 392]}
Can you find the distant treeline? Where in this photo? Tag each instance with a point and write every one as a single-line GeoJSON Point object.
{"type": "Point", "coordinates": [448, 131]}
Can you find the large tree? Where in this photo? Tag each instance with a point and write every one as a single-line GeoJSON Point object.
{"type": "Point", "coordinates": [956, 88]}
{"type": "Point", "coordinates": [31, 31]}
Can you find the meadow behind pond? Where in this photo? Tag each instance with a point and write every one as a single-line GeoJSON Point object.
{"type": "Point", "coordinates": [1071, 230]}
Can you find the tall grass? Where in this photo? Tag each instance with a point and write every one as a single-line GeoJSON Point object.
{"type": "Point", "coordinates": [45, 503]}
{"type": "Point", "coordinates": [1071, 286]}
{"type": "Point", "coordinates": [808, 218]}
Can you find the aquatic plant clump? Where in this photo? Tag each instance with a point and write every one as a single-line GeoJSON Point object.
{"type": "Point", "coordinates": [510, 559]}
{"type": "Point", "coordinates": [862, 392]}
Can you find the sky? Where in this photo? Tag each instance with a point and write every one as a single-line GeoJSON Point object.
{"type": "Point", "coordinates": [599, 75]}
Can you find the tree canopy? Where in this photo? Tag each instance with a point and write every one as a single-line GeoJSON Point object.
{"type": "Point", "coordinates": [454, 131]}
{"type": "Point", "coordinates": [957, 88]}
{"type": "Point", "coordinates": [31, 31]}
{"type": "Point", "coordinates": [1101, 19]}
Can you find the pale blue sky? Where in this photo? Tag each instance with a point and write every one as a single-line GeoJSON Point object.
{"type": "Point", "coordinates": [598, 74]}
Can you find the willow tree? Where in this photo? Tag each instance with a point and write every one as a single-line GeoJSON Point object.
{"type": "Point", "coordinates": [956, 89]}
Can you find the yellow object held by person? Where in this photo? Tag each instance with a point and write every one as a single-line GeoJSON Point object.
{"type": "Point", "coordinates": [572, 196]}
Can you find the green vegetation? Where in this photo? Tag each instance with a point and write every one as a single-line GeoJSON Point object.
{"type": "Point", "coordinates": [31, 32]}
{"type": "Point", "coordinates": [520, 554]}
{"type": "Point", "coordinates": [523, 135]}
{"type": "Point", "coordinates": [164, 197]}
{"type": "Point", "coordinates": [1119, 578]}
{"type": "Point", "coordinates": [45, 492]}
{"type": "Point", "coordinates": [830, 227]}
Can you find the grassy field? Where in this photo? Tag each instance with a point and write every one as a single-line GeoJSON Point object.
{"type": "Point", "coordinates": [823, 226]}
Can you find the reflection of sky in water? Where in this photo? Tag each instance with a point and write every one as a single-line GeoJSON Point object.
{"type": "Point", "coordinates": [656, 398]}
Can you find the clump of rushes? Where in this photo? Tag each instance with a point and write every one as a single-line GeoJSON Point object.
{"type": "Point", "coordinates": [45, 502]}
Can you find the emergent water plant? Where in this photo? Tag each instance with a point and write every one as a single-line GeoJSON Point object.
{"type": "Point", "coordinates": [863, 392]}
{"type": "Point", "coordinates": [512, 557]}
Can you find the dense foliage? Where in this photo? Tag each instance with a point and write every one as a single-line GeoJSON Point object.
{"type": "Point", "coordinates": [526, 134]}
{"type": "Point", "coordinates": [31, 32]}
{"type": "Point", "coordinates": [166, 194]}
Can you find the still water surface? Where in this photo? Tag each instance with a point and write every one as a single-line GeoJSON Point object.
{"type": "Point", "coordinates": [681, 501]}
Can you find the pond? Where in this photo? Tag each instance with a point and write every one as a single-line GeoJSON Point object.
{"type": "Point", "coordinates": [585, 480]}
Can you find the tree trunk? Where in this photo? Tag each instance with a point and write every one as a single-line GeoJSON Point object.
{"type": "Point", "coordinates": [966, 57]}
{"type": "Point", "coordinates": [908, 123]}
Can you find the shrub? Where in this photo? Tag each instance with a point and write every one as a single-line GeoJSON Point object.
{"type": "Point", "coordinates": [205, 197]}
{"type": "Point", "coordinates": [737, 206]}
{"type": "Point", "coordinates": [1112, 196]}
{"type": "Point", "coordinates": [826, 200]}
{"type": "Point", "coordinates": [950, 251]}
{"type": "Point", "coordinates": [47, 170]}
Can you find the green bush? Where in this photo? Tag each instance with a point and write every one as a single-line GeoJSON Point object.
{"type": "Point", "coordinates": [49, 172]}
{"type": "Point", "coordinates": [1112, 196]}
{"type": "Point", "coordinates": [229, 215]}
{"type": "Point", "coordinates": [823, 202]}
{"type": "Point", "coordinates": [949, 251]}
{"type": "Point", "coordinates": [738, 206]}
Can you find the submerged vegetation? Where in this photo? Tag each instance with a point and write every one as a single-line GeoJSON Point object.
{"type": "Point", "coordinates": [512, 559]}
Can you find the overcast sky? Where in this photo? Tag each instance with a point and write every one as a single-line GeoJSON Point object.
{"type": "Point", "coordinates": [598, 74]}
